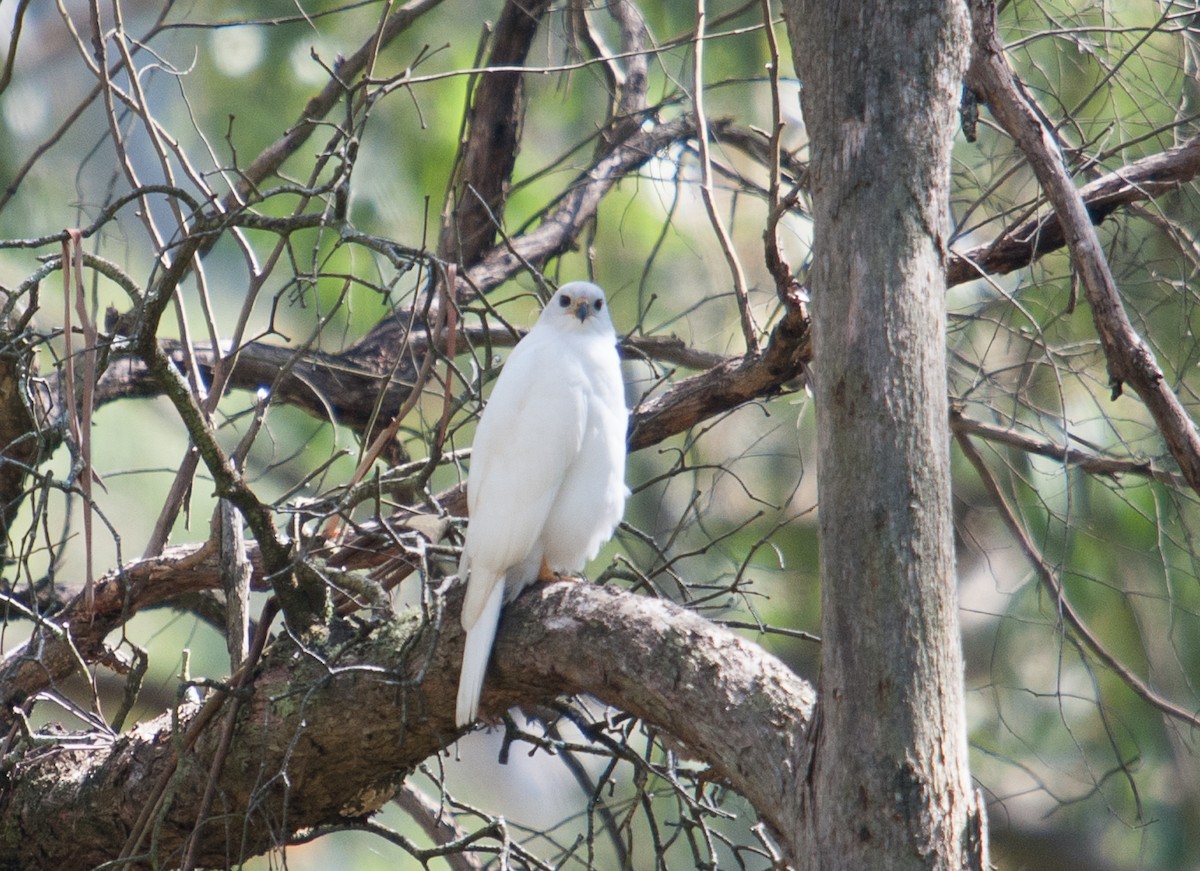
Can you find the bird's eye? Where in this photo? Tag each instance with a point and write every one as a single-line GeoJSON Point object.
{"type": "Point", "coordinates": [598, 304]}
{"type": "Point", "coordinates": [564, 301]}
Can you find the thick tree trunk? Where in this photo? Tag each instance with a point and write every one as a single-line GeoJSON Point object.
{"type": "Point", "coordinates": [888, 784]}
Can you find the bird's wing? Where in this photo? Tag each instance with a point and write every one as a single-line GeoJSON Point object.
{"type": "Point", "coordinates": [528, 437]}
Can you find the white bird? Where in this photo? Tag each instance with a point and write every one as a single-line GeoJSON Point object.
{"type": "Point", "coordinates": [546, 487]}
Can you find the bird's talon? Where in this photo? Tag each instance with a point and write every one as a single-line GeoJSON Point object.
{"type": "Point", "coordinates": [546, 575]}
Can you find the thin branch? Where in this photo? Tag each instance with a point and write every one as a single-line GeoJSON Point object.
{"type": "Point", "coordinates": [1130, 360]}
{"type": "Point", "coordinates": [1092, 463]}
{"type": "Point", "coordinates": [439, 826]}
{"type": "Point", "coordinates": [14, 39]}
{"type": "Point", "coordinates": [740, 291]}
{"type": "Point", "coordinates": [272, 157]}
{"type": "Point", "coordinates": [558, 230]}
{"type": "Point", "coordinates": [777, 265]}
{"type": "Point", "coordinates": [635, 37]}
{"type": "Point", "coordinates": [1053, 585]}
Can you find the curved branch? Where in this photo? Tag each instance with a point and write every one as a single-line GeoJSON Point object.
{"type": "Point", "coordinates": [297, 757]}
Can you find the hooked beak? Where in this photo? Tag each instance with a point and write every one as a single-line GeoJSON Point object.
{"type": "Point", "coordinates": [582, 310]}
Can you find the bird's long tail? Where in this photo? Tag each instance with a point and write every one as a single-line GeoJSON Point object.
{"type": "Point", "coordinates": [480, 636]}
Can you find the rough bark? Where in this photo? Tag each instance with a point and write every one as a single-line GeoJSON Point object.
{"type": "Point", "coordinates": [20, 442]}
{"type": "Point", "coordinates": [888, 785]}
{"type": "Point", "coordinates": [297, 761]}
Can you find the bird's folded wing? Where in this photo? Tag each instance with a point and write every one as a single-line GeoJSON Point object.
{"type": "Point", "coordinates": [529, 436]}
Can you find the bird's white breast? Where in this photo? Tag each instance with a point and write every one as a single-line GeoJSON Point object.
{"type": "Point", "coordinates": [592, 497]}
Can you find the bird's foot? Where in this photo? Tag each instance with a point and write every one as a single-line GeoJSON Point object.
{"type": "Point", "coordinates": [546, 574]}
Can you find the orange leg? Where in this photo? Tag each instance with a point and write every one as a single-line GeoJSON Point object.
{"type": "Point", "coordinates": [546, 574]}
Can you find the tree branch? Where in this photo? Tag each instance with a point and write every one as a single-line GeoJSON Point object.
{"type": "Point", "coordinates": [1082, 634]}
{"type": "Point", "coordinates": [1092, 463]}
{"type": "Point", "coordinates": [273, 156]}
{"type": "Point", "coordinates": [1019, 246]}
{"type": "Point", "coordinates": [727, 385]}
{"type": "Point", "coordinates": [562, 225]}
{"type": "Point", "coordinates": [1130, 360]}
{"type": "Point", "coordinates": [297, 757]}
{"type": "Point", "coordinates": [483, 169]}
{"type": "Point", "coordinates": [21, 445]}
{"type": "Point", "coordinates": [348, 384]}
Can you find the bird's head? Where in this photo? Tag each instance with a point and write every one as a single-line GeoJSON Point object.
{"type": "Point", "coordinates": [578, 306]}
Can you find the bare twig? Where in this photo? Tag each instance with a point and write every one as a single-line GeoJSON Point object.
{"type": "Point", "coordinates": [1130, 360]}
{"type": "Point", "coordinates": [439, 826]}
{"type": "Point", "coordinates": [1087, 461]}
{"type": "Point", "coordinates": [741, 293]}
{"type": "Point", "coordinates": [776, 209]}
{"type": "Point", "coordinates": [272, 157]}
{"type": "Point", "coordinates": [196, 727]}
{"type": "Point", "coordinates": [14, 38]}
{"type": "Point", "coordinates": [1053, 585]}
{"type": "Point", "coordinates": [447, 328]}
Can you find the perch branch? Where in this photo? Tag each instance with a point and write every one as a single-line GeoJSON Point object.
{"type": "Point", "coordinates": [297, 757]}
